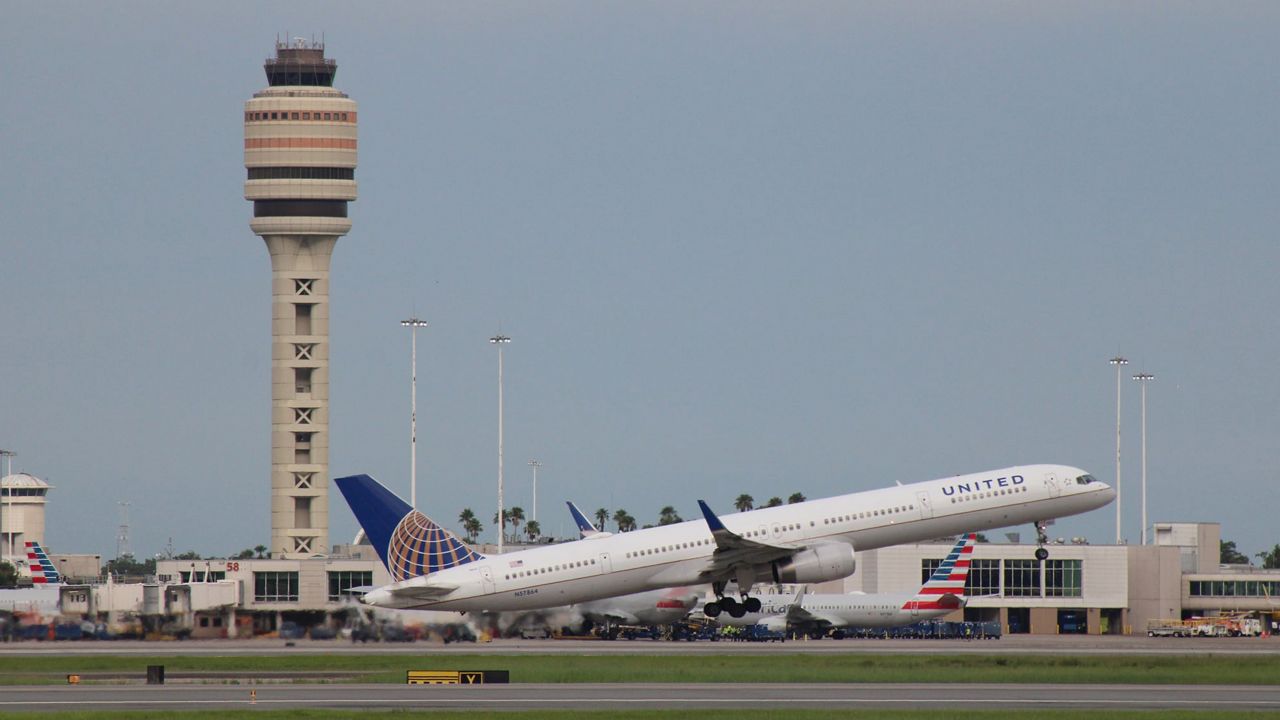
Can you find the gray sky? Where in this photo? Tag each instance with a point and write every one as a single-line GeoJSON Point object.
{"type": "Point", "coordinates": [739, 247]}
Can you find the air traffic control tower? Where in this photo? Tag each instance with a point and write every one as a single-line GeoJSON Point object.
{"type": "Point", "coordinates": [300, 153]}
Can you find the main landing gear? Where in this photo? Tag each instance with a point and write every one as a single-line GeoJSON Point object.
{"type": "Point", "coordinates": [729, 605]}
{"type": "Point", "coordinates": [1041, 538]}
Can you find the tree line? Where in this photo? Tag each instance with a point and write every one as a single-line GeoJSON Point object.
{"type": "Point", "coordinates": [623, 521]}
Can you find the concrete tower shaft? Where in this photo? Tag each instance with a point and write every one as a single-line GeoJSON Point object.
{"type": "Point", "coordinates": [300, 156]}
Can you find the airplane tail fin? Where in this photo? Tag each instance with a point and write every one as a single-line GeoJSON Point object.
{"type": "Point", "coordinates": [586, 528]}
{"type": "Point", "coordinates": [409, 543]}
{"type": "Point", "coordinates": [42, 570]}
{"type": "Point", "coordinates": [944, 590]}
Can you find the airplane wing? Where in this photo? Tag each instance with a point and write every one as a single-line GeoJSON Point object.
{"type": "Point", "coordinates": [735, 553]}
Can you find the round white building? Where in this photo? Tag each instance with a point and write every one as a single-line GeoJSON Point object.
{"type": "Point", "coordinates": [22, 500]}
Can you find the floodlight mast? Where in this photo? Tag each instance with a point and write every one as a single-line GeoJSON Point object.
{"type": "Point", "coordinates": [413, 324]}
{"type": "Point", "coordinates": [1143, 379]}
{"type": "Point", "coordinates": [1118, 362]}
{"type": "Point", "coordinates": [500, 340]}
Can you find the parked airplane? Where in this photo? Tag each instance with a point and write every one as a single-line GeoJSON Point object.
{"type": "Point", "coordinates": [814, 614]}
{"type": "Point", "coordinates": [40, 566]}
{"type": "Point", "coordinates": [42, 597]}
{"type": "Point", "coordinates": [804, 542]}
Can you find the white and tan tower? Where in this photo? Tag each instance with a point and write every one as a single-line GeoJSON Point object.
{"type": "Point", "coordinates": [300, 152]}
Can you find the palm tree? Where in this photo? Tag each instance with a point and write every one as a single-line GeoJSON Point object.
{"type": "Point", "coordinates": [261, 550]}
{"type": "Point", "coordinates": [774, 501]}
{"type": "Point", "coordinates": [533, 530]}
{"type": "Point", "coordinates": [620, 518]}
{"type": "Point", "coordinates": [628, 523]}
{"type": "Point", "coordinates": [744, 502]}
{"type": "Point", "coordinates": [468, 520]}
{"type": "Point", "coordinates": [515, 516]}
{"type": "Point", "coordinates": [668, 516]}
{"type": "Point", "coordinates": [473, 529]}
{"type": "Point", "coordinates": [602, 517]}
{"type": "Point", "coordinates": [795, 498]}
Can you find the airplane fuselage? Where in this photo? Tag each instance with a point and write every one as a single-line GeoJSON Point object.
{"type": "Point", "coordinates": [679, 554]}
{"type": "Point", "coordinates": [879, 610]}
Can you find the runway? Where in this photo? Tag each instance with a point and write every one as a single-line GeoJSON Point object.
{"type": "Point", "coordinates": [646, 696]}
{"type": "Point", "coordinates": [1009, 645]}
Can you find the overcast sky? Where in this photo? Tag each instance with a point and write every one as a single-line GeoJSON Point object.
{"type": "Point", "coordinates": [739, 247]}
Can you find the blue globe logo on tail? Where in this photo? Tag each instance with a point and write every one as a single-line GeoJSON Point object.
{"type": "Point", "coordinates": [409, 543]}
{"type": "Point", "coordinates": [419, 547]}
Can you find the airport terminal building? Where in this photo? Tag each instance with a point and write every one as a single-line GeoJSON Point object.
{"type": "Point", "coordinates": [1081, 588]}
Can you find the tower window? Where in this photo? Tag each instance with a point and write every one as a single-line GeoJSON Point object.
{"type": "Point", "coordinates": [302, 319]}
{"type": "Point", "coordinates": [302, 416]}
{"type": "Point", "coordinates": [303, 286]}
{"type": "Point", "coordinates": [302, 513]}
{"type": "Point", "coordinates": [302, 351]}
{"type": "Point", "coordinates": [303, 480]}
{"type": "Point", "coordinates": [302, 380]}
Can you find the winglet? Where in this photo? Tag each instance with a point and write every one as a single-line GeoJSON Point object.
{"type": "Point", "coordinates": [713, 522]}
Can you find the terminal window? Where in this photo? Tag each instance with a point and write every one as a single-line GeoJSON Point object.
{"type": "Point", "coordinates": [1062, 578]}
{"type": "Point", "coordinates": [984, 578]}
{"type": "Point", "coordinates": [341, 582]}
{"type": "Point", "coordinates": [274, 586]}
{"type": "Point", "coordinates": [1021, 578]}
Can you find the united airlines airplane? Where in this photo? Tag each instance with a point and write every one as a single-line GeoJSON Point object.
{"type": "Point", "coordinates": [814, 615]}
{"type": "Point", "coordinates": [808, 542]}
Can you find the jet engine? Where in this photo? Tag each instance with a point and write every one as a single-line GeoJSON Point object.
{"type": "Point", "coordinates": [828, 561]}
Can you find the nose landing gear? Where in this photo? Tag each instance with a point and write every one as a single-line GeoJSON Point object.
{"type": "Point", "coordinates": [1041, 538]}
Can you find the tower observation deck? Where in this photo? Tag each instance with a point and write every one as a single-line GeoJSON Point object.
{"type": "Point", "coordinates": [300, 155]}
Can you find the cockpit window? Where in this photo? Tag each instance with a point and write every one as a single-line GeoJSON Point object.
{"type": "Point", "coordinates": [1085, 479]}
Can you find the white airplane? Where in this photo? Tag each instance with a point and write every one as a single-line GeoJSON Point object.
{"type": "Point", "coordinates": [815, 614]}
{"type": "Point", "coordinates": [808, 542]}
{"type": "Point", "coordinates": [43, 597]}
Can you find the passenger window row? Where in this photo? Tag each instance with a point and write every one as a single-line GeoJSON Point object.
{"type": "Point", "coordinates": [548, 569]}
{"type": "Point", "coordinates": [668, 548]}
{"type": "Point", "coordinates": [988, 493]}
{"type": "Point", "coordinates": [868, 514]}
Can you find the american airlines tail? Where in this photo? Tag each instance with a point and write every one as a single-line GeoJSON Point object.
{"type": "Point", "coordinates": [944, 590]}
{"type": "Point", "coordinates": [42, 570]}
{"type": "Point", "coordinates": [409, 543]}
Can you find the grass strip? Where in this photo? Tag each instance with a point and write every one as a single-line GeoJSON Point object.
{"type": "Point", "coordinates": [779, 667]}
{"type": "Point", "coordinates": [701, 714]}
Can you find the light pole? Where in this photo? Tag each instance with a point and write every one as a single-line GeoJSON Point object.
{"type": "Point", "coordinates": [8, 456]}
{"type": "Point", "coordinates": [1118, 362]}
{"type": "Point", "coordinates": [535, 465]}
{"type": "Point", "coordinates": [500, 340]}
{"type": "Point", "coordinates": [1143, 379]}
{"type": "Point", "coordinates": [413, 324]}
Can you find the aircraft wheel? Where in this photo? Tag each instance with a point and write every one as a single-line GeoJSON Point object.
{"type": "Point", "coordinates": [737, 610]}
{"type": "Point", "coordinates": [752, 604]}
{"type": "Point", "coordinates": [711, 610]}
{"type": "Point", "coordinates": [815, 634]}
{"type": "Point", "coordinates": [1042, 554]}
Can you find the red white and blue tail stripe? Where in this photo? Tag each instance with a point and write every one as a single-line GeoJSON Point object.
{"type": "Point", "coordinates": [42, 570]}
{"type": "Point", "coordinates": [944, 590]}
